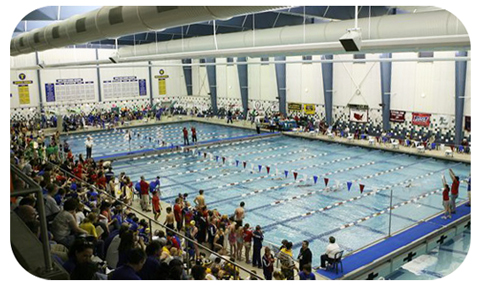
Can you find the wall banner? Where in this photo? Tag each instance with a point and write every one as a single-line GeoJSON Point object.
{"type": "Point", "coordinates": [162, 85]}
{"type": "Point", "coordinates": [294, 107]}
{"type": "Point", "coordinates": [359, 115]}
{"type": "Point", "coordinates": [397, 116]}
{"type": "Point", "coordinates": [468, 123]}
{"type": "Point", "coordinates": [421, 119]}
{"type": "Point", "coordinates": [309, 109]}
{"type": "Point", "coordinates": [443, 121]}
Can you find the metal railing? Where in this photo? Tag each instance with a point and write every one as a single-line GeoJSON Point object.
{"type": "Point", "coordinates": [150, 221]}
{"type": "Point", "coordinates": [36, 189]}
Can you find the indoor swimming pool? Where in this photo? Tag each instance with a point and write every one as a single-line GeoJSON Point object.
{"type": "Point", "coordinates": [303, 208]}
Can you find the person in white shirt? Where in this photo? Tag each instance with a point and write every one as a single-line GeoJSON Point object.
{"type": "Point", "coordinates": [332, 249]}
{"type": "Point", "coordinates": [89, 145]}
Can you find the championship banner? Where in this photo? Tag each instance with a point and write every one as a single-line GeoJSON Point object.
{"type": "Point", "coordinates": [468, 123]}
{"type": "Point", "coordinates": [359, 115]}
{"type": "Point", "coordinates": [397, 116]}
{"type": "Point", "coordinates": [309, 109]}
{"type": "Point", "coordinates": [24, 94]}
{"type": "Point", "coordinates": [421, 119]}
{"type": "Point", "coordinates": [162, 85]}
{"type": "Point", "coordinates": [294, 107]}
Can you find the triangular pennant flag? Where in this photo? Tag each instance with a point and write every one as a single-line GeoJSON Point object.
{"type": "Point", "coordinates": [199, 153]}
{"type": "Point", "coordinates": [295, 175]}
{"type": "Point", "coordinates": [286, 173]}
{"type": "Point", "coordinates": [259, 168]}
{"type": "Point", "coordinates": [361, 188]}
{"type": "Point", "coordinates": [236, 162]}
{"type": "Point", "coordinates": [315, 179]}
{"type": "Point", "coordinates": [349, 185]}
{"type": "Point", "coordinates": [216, 157]}
{"type": "Point", "coordinates": [268, 169]}
{"type": "Point", "coordinates": [326, 181]}
{"type": "Point", "coordinates": [223, 159]}
{"type": "Point", "coordinates": [244, 164]}
{"type": "Point", "coordinates": [205, 155]}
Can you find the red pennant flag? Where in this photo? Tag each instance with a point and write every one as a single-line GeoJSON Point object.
{"type": "Point", "coordinates": [326, 181]}
{"type": "Point", "coordinates": [244, 164]}
{"type": "Point", "coordinates": [204, 154]}
{"type": "Point", "coordinates": [295, 175]}
{"type": "Point", "coordinates": [361, 188]}
{"type": "Point", "coordinates": [268, 169]}
{"type": "Point", "coordinates": [223, 158]}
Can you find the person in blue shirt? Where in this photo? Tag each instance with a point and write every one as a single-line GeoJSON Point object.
{"type": "Point", "coordinates": [155, 185]}
{"type": "Point", "coordinates": [257, 247]}
{"type": "Point", "coordinates": [306, 273]}
{"type": "Point", "coordinates": [136, 258]}
{"type": "Point", "coordinates": [152, 264]}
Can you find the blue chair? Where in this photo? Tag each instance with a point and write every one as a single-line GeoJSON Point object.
{"type": "Point", "coordinates": [336, 261]}
{"type": "Point", "coordinates": [433, 146]}
{"type": "Point", "coordinates": [461, 148]}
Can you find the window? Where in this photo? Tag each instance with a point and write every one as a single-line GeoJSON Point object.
{"type": "Point", "coordinates": [307, 59]}
{"type": "Point", "coordinates": [359, 56]}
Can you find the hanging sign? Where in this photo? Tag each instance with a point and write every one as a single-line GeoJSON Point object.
{"type": "Point", "coordinates": [421, 119]}
{"type": "Point", "coordinates": [397, 116]}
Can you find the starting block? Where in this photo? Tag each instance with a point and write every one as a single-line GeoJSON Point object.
{"type": "Point", "coordinates": [350, 137]}
{"type": "Point", "coordinates": [371, 141]}
{"type": "Point", "coordinates": [448, 152]}
{"type": "Point", "coordinates": [421, 149]}
{"type": "Point", "coordinates": [330, 136]}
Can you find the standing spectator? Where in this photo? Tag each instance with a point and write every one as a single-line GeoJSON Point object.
{"type": "Point", "coordinates": [454, 194]}
{"type": "Point", "coordinates": [135, 260]}
{"type": "Point", "coordinates": [286, 261]}
{"type": "Point", "coordinates": [194, 134]}
{"type": "Point", "coordinates": [144, 190]}
{"type": "Point", "coordinates": [306, 273]}
{"type": "Point", "coordinates": [177, 211]}
{"type": "Point", "coordinates": [157, 207]}
{"type": "Point", "coordinates": [185, 136]}
{"type": "Point", "coordinates": [267, 263]}
{"type": "Point", "coordinates": [257, 246]}
{"type": "Point", "coordinates": [247, 241]}
{"type": "Point", "coordinates": [229, 117]}
{"type": "Point", "coordinates": [305, 255]}
{"type": "Point", "coordinates": [331, 250]}
{"type": "Point", "coordinates": [89, 145]}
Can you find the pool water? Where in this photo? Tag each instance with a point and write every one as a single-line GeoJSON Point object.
{"type": "Point", "coordinates": [300, 209]}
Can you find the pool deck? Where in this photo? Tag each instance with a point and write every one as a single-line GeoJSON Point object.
{"type": "Point", "coordinates": [438, 154]}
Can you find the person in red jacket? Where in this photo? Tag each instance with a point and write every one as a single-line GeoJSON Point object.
{"type": "Point", "coordinates": [454, 194]}
{"type": "Point", "coordinates": [194, 134]}
{"type": "Point", "coordinates": [157, 208]}
{"type": "Point", "coordinates": [446, 202]}
{"type": "Point", "coordinates": [185, 136]}
{"type": "Point", "coordinates": [177, 211]}
{"type": "Point", "coordinates": [144, 188]}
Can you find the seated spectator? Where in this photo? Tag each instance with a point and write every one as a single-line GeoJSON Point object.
{"type": "Point", "coordinates": [51, 206]}
{"type": "Point", "coordinates": [329, 256]}
{"type": "Point", "coordinates": [81, 251]}
{"type": "Point", "coordinates": [87, 271]}
{"type": "Point", "coordinates": [152, 264]}
{"type": "Point", "coordinates": [65, 223]}
{"type": "Point", "coordinates": [198, 272]}
{"type": "Point", "coordinates": [135, 260]}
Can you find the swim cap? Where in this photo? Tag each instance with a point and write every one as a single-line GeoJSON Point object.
{"type": "Point", "coordinates": [192, 223]}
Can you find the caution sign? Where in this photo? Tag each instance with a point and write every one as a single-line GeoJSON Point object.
{"type": "Point", "coordinates": [162, 84]}
{"type": "Point", "coordinates": [309, 109]}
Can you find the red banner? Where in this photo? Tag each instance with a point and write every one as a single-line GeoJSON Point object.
{"type": "Point", "coordinates": [421, 119]}
{"type": "Point", "coordinates": [397, 116]}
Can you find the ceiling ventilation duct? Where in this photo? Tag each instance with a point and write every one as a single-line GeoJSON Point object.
{"type": "Point", "coordinates": [429, 25]}
{"type": "Point", "coordinates": [116, 21]}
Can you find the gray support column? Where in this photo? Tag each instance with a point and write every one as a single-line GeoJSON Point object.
{"type": "Point", "coordinates": [212, 82]}
{"type": "Point", "coordinates": [187, 72]}
{"type": "Point", "coordinates": [386, 84]}
{"type": "Point", "coordinates": [40, 101]}
{"type": "Point", "coordinates": [99, 83]}
{"type": "Point", "coordinates": [150, 85]}
{"type": "Point", "coordinates": [460, 79]}
{"type": "Point", "coordinates": [281, 74]}
{"type": "Point", "coordinates": [327, 76]}
{"type": "Point", "coordinates": [243, 80]}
